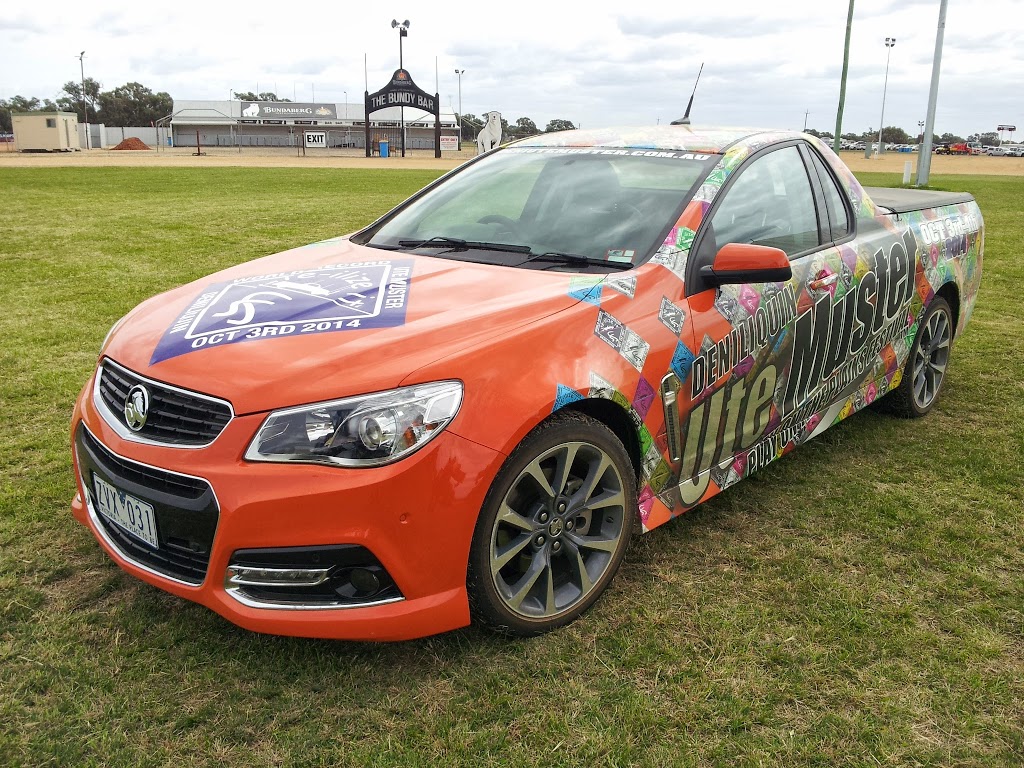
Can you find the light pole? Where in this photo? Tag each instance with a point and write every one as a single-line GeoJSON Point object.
{"type": "Point", "coordinates": [920, 126]}
{"type": "Point", "coordinates": [85, 104]}
{"type": "Point", "coordinates": [889, 43]}
{"type": "Point", "coordinates": [346, 104]}
{"type": "Point", "coordinates": [403, 31]}
{"type": "Point", "coordinates": [460, 73]}
{"type": "Point", "coordinates": [807, 113]}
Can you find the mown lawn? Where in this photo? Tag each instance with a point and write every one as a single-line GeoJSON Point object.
{"type": "Point", "coordinates": [860, 602]}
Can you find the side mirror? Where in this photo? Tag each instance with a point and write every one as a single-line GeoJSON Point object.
{"type": "Point", "coordinates": [746, 263]}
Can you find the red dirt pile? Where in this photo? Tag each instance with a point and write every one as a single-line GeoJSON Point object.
{"type": "Point", "coordinates": [132, 143]}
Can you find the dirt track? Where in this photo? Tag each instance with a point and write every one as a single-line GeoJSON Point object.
{"type": "Point", "coordinates": [264, 157]}
{"type": "Point", "coordinates": [256, 157]}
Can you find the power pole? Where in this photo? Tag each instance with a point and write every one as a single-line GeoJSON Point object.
{"type": "Point", "coordinates": [924, 160]}
{"type": "Point", "coordinates": [842, 82]}
{"type": "Point", "coordinates": [85, 104]}
{"type": "Point", "coordinates": [460, 73]}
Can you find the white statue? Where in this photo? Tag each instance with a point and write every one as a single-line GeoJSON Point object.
{"type": "Point", "coordinates": [490, 135]}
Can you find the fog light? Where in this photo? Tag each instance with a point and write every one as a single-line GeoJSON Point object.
{"type": "Point", "coordinates": [315, 577]}
{"type": "Point", "coordinates": [276, 577]}
{"type": "Point", "coordinates": [364, 581]}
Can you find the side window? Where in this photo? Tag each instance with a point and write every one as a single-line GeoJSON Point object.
{"type": "Point", "coordinates": [51, 122]}
{"type": "Point", "coordinates": [838, 215]}
{"type": "Point", "coordinates": [770, 203]}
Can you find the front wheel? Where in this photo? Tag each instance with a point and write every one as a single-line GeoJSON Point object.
{"type": "Point", "coordinates": [925, 369]}
{"type": "Point", "coordinates": [553, 529]}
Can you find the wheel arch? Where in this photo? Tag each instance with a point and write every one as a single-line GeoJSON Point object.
{"type": "Point", "coordinates": [951, 293]}
{"type": "Point", "coordinates": [618, 420]}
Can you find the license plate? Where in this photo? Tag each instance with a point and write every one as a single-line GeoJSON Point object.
{"type": "Point", "coordinates": [134, 515]}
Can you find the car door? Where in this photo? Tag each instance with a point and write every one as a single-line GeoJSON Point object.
{"type": "Point", "coordinates": [766, 352]}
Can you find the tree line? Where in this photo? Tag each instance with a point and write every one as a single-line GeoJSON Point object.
{"type": "Point", "coordinates": [131, 104]}
{"type": "Point", "coordinates": [891, 134]}
{"type": "Point", "coordinates": [520, 129]}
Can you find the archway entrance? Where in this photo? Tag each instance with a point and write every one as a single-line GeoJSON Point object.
{"type": "Point", "coordinates": [402, 92]}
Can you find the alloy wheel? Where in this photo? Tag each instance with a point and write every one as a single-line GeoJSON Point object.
{"type": "Point", "coordinates": [931, 359]}
{"type": "Point", "coordinates": [557, 530]}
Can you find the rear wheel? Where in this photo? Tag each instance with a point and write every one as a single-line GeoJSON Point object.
{"type": "Point", "coordinates": [554, 527]}
{"type": "Point", "coordinates": [925, 369]}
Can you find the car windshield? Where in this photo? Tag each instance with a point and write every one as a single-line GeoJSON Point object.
{"type": "Point", "coordinates": [549, 208]}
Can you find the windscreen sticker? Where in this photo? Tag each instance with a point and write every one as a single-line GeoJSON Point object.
{"type": "Point", "coordinates": [624, 255]}
{"type": "Point", "coordinates": [338, 297]}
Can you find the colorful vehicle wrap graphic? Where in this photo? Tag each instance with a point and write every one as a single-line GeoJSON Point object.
{"type": "Point", "coordinates": [769, 366]}
{"type": "Point", "coordinates": [336, 297]}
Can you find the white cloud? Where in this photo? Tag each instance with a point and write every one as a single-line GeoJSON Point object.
{"type": "Point", "coordinates": [764, 64]}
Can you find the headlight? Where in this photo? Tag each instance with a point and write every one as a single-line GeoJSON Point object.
{"type": "Point", "coordinates": [364, 431]}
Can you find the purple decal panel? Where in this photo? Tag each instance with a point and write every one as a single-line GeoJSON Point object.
{"type": "Point", "coordinates": [338, 297]}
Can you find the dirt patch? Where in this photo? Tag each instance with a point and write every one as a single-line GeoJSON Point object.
{"type": "Point", "coordinates": [270, 157]}
{"type": "Point", "coordinates": [255, 157]}
{"type": "Point", "coordinates": [132, 143]}
{"type": "Point", "coordinates": [957, 165]}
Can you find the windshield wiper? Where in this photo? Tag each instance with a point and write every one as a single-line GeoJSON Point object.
{"type": "Point", "coordinates": [460, 244]}
{"type": "Point", "coordinates": [560, 257]}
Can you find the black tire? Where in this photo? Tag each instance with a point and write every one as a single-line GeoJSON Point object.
{"type": "Point", "coordinates": [925, 369]}
{"type": "Point", "coordinates": [541, 556]}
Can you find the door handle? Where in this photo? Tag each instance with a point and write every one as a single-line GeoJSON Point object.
{"type": "Point", "coordinates": [823, 282]}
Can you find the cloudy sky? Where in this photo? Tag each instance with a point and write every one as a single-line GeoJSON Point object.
{"type": "Point", "coordinates": [597, 63]}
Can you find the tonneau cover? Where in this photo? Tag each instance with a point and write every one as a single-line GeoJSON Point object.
{"type": "Point", "coordinates": [907, 200]}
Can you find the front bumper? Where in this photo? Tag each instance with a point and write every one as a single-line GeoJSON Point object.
{"type": "Point", "coordinates": [415, 516]}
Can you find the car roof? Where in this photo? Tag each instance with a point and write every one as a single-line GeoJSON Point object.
{"type": "Point", "coordinates": [687, 138]}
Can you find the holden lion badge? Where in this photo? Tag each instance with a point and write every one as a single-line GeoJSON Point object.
{"type": "Point", "coordinates": [136, 407]}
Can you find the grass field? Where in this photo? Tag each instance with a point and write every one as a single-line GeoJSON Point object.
{"type": "Point", "coordinates": [860, 602]}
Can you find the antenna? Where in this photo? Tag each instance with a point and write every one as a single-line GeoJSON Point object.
{"type": "Point", "coordinates": [685, 119]}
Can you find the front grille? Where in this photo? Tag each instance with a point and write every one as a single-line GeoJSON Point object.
{"type": "Point", "coordinates": [175, 417]}
{"type": "Point", "coordinates": [185, 509]}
